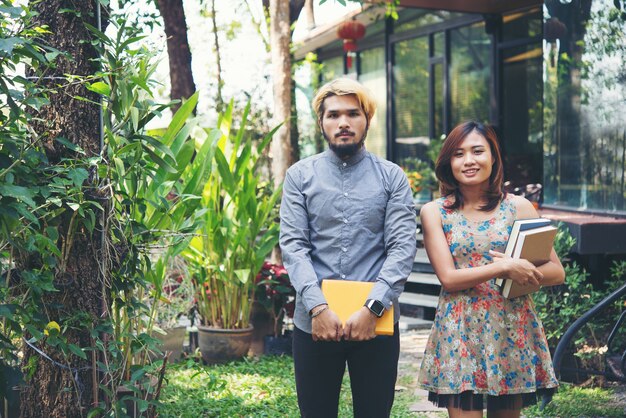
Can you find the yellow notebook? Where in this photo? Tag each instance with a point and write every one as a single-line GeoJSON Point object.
{"type": "Point", "coordinates": [345, 297]}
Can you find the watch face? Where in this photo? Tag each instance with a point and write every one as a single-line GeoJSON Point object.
{"type": "Point", "coordinates": [376, 307]}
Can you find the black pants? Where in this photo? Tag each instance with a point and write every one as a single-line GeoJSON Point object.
{"type": "Point", "coordinates": [320, 365]}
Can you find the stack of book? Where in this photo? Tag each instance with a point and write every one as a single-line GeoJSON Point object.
{"type": "Point", "coordinates": [530, 239]}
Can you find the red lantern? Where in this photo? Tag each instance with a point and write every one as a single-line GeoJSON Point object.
{"type": "Point", "coordinates": [350, 31]}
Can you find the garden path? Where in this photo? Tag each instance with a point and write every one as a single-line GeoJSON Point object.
{"type": "Point", "coordinates": [412, 345]}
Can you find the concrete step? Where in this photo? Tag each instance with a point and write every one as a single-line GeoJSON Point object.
{"type": "Point", "coordinates": [421, 256]}
{"type": "Point", "coordinates": [408, 324]}
{"type": "Point", "coordinates": [418, 299]}
{"type": "Point", "coordinates": [424, 278]}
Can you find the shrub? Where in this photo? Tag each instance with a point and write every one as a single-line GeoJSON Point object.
{"type": "Point", "coordinates": [559, 306]}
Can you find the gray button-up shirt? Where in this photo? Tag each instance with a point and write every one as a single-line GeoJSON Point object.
{"type": "Point", "coordinates": [346, 220]}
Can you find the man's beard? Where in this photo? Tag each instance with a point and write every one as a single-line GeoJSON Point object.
{"type": "Point", "coordinates": [345, 150]}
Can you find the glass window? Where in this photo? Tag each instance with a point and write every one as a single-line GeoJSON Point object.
{"type": "Point", "coordinates": [520, 25]}
{"type": "Point", "coordinates": [438, 44]}
{"type": "Point", "coordinates": [309, 138]}
{"type": "Point", "coordinates": [332, 68]}
{"type": "Point", "coordinates": [373, 77]}
{"type": "Point", "coordinates": [522, 110]}
{"type": "Point", "coordinates": [469, 74]}
{"type": "Point", "coordinates": [584, 107]}
{"type": "Point", "coordinates": [411, 80]}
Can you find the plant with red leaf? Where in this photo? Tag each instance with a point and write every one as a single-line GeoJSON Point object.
{"type": "Point", "coordinates": [276, 294]}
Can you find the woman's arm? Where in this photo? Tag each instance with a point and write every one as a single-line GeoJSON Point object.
{"type": "Point", "coordinates": [453, 279]}
{"type": "Point", "coordinates": [553, 272]}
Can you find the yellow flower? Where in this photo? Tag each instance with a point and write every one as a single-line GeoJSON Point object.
{"type": "Point", "coordinates": [52, 328]}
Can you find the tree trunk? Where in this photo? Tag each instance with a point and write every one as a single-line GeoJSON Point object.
{"type": "Point", "coordinates": [219, 100]}
{"type": "Point", "coordinates": [62, 385]}
{"type": "Point", "coordinates": [294, 132]}
{"type": "Point", "coordinates": [181, 77]}
{"type": "Point", "coordinates": [280, 35]}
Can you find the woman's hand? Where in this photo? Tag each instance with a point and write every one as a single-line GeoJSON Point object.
{"type": "Point", "coordinates": [519, 270]}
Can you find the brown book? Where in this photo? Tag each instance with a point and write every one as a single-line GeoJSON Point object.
{"type": "Point", "coordinates": [534, 245]}
{"type": "Point", "coordinates": [345, 297]}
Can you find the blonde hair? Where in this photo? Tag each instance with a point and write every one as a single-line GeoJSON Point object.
{"type": "Point", "coordinates": [343, 87]}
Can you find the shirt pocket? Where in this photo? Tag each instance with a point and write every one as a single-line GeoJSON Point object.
{"type": "Point", "coordinates": [372, 212]}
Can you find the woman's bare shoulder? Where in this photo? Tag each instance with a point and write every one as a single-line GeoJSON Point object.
{"type": "Point", "coordinates": [523, 207]}
{"type": "Point", "coordinates": [430, 210]}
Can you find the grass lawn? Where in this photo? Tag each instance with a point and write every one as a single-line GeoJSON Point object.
{"type": "Point", "coordinates": [266, 388]}
{"type": "Point", "coordinates": [572, 401]}
{"type": "Point", "coordinates": [247, 388]}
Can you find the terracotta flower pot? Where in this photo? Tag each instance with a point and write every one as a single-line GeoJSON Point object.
{"type": "Point", "coordinates": [219, 345]}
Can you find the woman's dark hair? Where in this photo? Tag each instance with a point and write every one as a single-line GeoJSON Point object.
{"type": "Point", "coordinates": [448, 185]}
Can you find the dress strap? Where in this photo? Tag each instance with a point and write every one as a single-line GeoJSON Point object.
{"type": "Point", "coordinates": [508, 206]}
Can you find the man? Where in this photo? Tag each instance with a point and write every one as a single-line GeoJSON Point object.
{"type": "Point", "coordinates": [347, 215]}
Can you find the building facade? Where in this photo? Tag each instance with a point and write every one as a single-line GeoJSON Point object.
{"type": "Point", "coordinates": [549, 76]}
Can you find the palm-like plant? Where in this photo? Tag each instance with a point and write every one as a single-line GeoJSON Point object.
{"type": "Point", "coordinates": [237, 231]}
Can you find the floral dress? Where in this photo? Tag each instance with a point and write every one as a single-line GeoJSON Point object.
{"type": "Point", "coordinates": [480, 341]}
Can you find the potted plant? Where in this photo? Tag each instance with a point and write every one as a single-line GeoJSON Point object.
{"type": "Point", "coordinates": [237, 233]}
{"type": "Point", "coordinates": [276, 294]}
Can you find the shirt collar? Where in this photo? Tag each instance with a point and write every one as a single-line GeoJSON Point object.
{"type": "Point", "coordinates": [353, 160]}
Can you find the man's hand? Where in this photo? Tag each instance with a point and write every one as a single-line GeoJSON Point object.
{"type": "Point", "coordinates": [361, 326]}
{"type": "Point", "coordinates": [326, 326]}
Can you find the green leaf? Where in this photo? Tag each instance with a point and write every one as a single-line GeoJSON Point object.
{"type": "Point", "coordinates": [137, 374]}
{"type": "Point", "coordinates": [180, 118]}
{"type": "Point", "coordinates": [181, 139]}
{"type": "Point", "coordinates": [69, 145]}
{"type": "Point", "coordinates": [240, 132]}
{"type": "Point", "coordinates": [119, 167]}
{"type": "Point", "coordinates": [158, 145]}
{"type": "Point", "coordinates": [99, 87]}
{"type": "Point", "coordinates": [105, 39]}
{"type": "Point", "coordinates": [7, 44]}
{"type": "Point", "coordinates": [26, 213]}
{"type": "Point", "coordinates": [142, 405]}
{"type": "Point", "coordinates": [7, 311]}
{"type": "Point", "coordinates": [224, 170]}
{"type": "Point", "coordinates": [96, 412]}
{"type": "Point", "coordinates": [13, 12]}
{"type": "Point", "coordinates": [18, 192]}
{"type": "Point", "coordinates": [161, 162]}
{"type": "Point", "coordinates": [78, 176]}
{"type": "Point", "coordinates": [77, 351]}
{"type": "Point", "coordinates": [74, 206]}
{"type": "Point", "coordinates": [267, 139]}
{"type": "Point", "coordinates": [243, 275]}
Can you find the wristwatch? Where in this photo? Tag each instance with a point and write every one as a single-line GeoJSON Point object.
{"type": "Point", "coordinates": [375, 306]}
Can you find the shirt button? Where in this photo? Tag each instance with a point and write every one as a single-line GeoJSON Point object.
{"type": "Point", "coordinates": [344, 164]}
{"type": "Point", "coordinates": [344, 249]}
{"type": "Point", "coordinates": [345, 221]}
{"type": "Point", "coordinates": [345, 194]}
{"type": "Point", "coordinates": [343, 276]}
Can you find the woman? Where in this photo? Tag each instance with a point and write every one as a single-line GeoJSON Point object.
{"type": "Point", "coordinates": [482, 346]}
